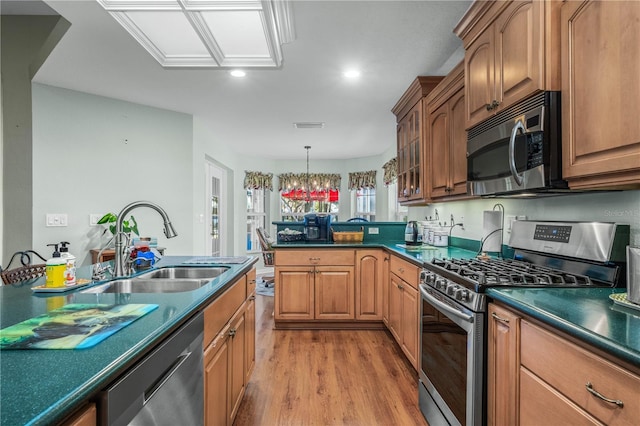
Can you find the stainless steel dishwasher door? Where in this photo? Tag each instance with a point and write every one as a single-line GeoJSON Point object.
{"type": "Point", "coordinates": [165, 388]}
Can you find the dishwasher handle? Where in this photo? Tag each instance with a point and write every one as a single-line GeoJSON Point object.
{"type": "Point", "coordinates": [151, 391]}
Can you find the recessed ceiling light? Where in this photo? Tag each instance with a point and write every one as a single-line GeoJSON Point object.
{"type": "Point", "coordinates": [351, 74]}
{"type": "Point", "coordinates": [238, 73]}
{"type": "Point", "coordinates": [309, 125]}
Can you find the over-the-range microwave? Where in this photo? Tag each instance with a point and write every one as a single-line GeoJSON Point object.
{"type": "Point", "coordinates": [518, 151]}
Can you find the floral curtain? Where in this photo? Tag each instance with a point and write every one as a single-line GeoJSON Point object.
{"type": "Point", "coordinates": [288, 181]}
{"type": "Point", "coordinates": [390, 171]}
{"type": "Point", "coordinates": [258, 180]}
{"type": "Point", "coordinates": [358, 180]}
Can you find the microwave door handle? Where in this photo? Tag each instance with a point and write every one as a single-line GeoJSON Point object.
{"type": "Point", "coordinates": [512, 151]}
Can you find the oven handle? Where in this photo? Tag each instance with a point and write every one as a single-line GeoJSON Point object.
{"type": "Point", "coordinates": [444, 307]}
{"type": "Point", "coordinates": [512, 151]}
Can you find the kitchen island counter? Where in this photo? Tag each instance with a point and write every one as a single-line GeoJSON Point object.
{"type": "Point", "coordinates": [44, 386]}
{"type": "Point", "coordinates": [584, 313]}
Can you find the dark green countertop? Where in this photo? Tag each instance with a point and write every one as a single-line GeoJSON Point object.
{"type": "Point", "coordinates": [585, 313]}
{"type": "Point", "coordinates": [43, 386]}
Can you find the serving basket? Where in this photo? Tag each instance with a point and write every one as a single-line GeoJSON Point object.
{"type": "Point", "coordinates": [348, 237]}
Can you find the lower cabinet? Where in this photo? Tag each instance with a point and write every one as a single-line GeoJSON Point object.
{"type": "Point", "coordinates": [370, 277]}
{"type": "Point", "coordinates": [85, 416]}
{"type": "Point", "coordinates": [536, 376]}
{"type": "Point", "coordinates": [404, 307]}
{"type": "Point", "coordinates": [229, 355]}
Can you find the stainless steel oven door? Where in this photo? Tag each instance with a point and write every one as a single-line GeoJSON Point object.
{"type": "Point", "coordinates": [451, 361]}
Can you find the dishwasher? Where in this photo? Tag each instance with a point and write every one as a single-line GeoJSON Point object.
{"type": "Point", "coordinates": [165, 388]}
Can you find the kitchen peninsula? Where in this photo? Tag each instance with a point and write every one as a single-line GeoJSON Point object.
{"type": "Point", "coordinates": [46, 386]}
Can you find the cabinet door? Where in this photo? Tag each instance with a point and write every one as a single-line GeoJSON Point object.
{"type": "Point", "coordinates": [600, 93]}
{"type": "Point", "coordinates": [395, 306]}
{"type": "Point", "coordinates": [458, 145]}
{"type": "Point", "coordinates": [334, 293]}
{"type": "Point", "coordinates": [503, 363]}
{"type": "Point", "coordinates": [479, 78]}
{"type": "Point", "coordinates": [237, 375]}
{"type": "Point", "coordinates": [250, 345]}
{"type": "Point", "coordinates": [294, 293]}
{"type": "Point", "coordinates": [439, 141]}
{"type": "Point", "coordinates": [410, 323]}
{"type": "Point", "coordinates": [87, 416]}
{"type": "Point", "coordinates": [519, 51]}
{"type": "Point", "coordinates": [369, 277]}
{"type": "Point", "coordinates": [385, 290]}
{"type": "Point", "coordinates": [216, 379]}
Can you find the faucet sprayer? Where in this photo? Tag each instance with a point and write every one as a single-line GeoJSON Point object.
{"type": "Point", "coordinates": [169, 232]}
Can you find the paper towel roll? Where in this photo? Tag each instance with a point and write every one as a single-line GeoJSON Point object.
{"type": "Point", "coordinates": [491, 224]}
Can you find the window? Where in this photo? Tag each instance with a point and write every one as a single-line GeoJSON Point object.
{"type": "Point", "coordinates": [294, 204]}
{"type": "Point", "coordinates": [397, 212]}
{"type": "Point", "coordinates": [256, 217]}
{"type": "Point", "coordinates": [365, 204]}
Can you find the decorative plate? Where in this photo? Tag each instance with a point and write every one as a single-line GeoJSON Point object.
{"type": "Point", "coordinates": [621, 299]}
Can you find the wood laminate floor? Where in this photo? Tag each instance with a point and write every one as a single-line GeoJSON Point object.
{"type": "Point", "coordinates": [327, 377]}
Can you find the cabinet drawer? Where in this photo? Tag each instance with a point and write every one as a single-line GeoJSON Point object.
{"type": "Point", "coordinates": [409, 272]}
{"type": "Point", "coordinates": [315, 257]}
{"type": "Point", "coordinates": [218, 313]}
{"type": "Point", "coordinates": [568, 368]}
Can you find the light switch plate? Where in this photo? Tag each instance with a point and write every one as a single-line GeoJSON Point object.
{"type": "Point", "coordinates": [94, 218]}
{"type": "Point", "coordinates": [57, 219]}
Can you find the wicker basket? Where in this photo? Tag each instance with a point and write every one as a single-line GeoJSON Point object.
{"type": "Point", "coordinates": [348, 237]}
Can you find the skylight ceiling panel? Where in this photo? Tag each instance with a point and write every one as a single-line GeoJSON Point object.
{"type": "Point", "coordinates": [239, 34]}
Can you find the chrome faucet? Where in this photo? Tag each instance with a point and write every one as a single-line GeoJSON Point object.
{"type": "Point", "coordinates": [120, 261]}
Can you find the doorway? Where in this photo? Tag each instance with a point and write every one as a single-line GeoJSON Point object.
{"type": "Point", "coordinates": [215, 206]}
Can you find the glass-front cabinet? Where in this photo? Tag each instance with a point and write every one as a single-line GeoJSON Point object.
{"type": "Point", "coordinates": [412, 143]}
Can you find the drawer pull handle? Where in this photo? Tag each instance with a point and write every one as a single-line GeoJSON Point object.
{"type": "Point", "coordinates": [401, 270]}
{"type": "Point", "coordinates": [498, 318]}
{"type": "Point", "coordinates": [602, 397]}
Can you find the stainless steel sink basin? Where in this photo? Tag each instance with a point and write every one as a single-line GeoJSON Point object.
{"type": "Point", "coordinates": [179, 272]}
{"type": "Point", "coordinates": [157, 285]}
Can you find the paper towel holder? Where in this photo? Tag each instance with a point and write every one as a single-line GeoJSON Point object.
{"type": "Point", "coordinates": [497, 207]}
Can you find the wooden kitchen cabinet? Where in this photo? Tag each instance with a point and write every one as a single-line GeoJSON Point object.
{"type": "Point", "coordinates": [601, 94]}
{"type": "Point", "coordinates": [538, 375]}
{"type": "Point", "coordinates": [411, 140]}
{"type": "Point", "coordinates": [314, 286]}
{"type": "Point", "coordinates": [404, 307]}
{"type": "Point", "coordinates": [85, 416]}
{"type": "Point", "coordinates": [370, 277]}
{"type": "Point", "coordinates": [229, 350]}
{"type": "Point", "coordinates": [503, 363]}
{"type": "Point", "coordinates": [511, 52]}
{"type": "Point", "coordinates": [445, 120]}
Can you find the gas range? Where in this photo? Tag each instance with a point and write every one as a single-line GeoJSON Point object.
{"type": "Point", "coordinates": [547, 254]}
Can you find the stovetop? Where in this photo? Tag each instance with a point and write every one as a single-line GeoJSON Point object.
{"type": "Point", "coordinates": [513, 273]}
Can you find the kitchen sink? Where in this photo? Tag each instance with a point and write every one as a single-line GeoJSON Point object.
{"type": "Point", "coordinates": [138, 285]}
{"type": "Point", "coordinates": [179, 272]}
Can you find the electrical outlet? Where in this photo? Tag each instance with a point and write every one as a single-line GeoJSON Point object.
{"type": "Point", "coordinates": [521, 217]}
{"type": "Point", "coordinates": [94, 218]}
{"type": "Point", "coordinates": [509, 219]}
{"type": "Point", "coordinates": [57, 219]}
{"type": "Point", "coordinates": [373, 231]}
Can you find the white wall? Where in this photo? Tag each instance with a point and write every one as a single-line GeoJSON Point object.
{"type": "Point", "coordinates": [621, 207]}
{"type": "Point", "coordinates": [93, 154]}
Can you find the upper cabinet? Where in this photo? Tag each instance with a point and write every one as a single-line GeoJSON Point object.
{"type": "Point", "coordinates": [412, 143]}
{"type": "Point", "coordinates": [445, 120]}
{"type": "Point", "coordinates": [601, 94]}
{"type": "Point", "coordinates": [511, 52]}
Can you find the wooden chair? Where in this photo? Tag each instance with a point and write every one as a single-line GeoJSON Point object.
{"type": "Point", "coordinates": [26, 272]}
{"type": "Point", "coordinates": [267, 254]}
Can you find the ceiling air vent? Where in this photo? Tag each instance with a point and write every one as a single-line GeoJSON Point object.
{"type": "Point", "coordinates": [309, 125]}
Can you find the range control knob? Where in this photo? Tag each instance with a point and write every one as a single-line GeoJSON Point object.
{"type": "Point", "coordinates": [441, 284]}
{"type": "Point", "coordinates": [451, 289]}
{"type": "Point", "coordinates": [462, 295]}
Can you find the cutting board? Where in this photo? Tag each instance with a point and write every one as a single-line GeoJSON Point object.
{"type": "Point", "coordinates": [74, 326]}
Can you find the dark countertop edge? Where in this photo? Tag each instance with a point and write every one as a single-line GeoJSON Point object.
{"type": "Point", "coordinates": [73, 401]}
{"type": "Point", "coordinates": [609, 346]}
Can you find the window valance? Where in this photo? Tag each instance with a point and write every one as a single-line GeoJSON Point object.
{"type": "Point", "coordinates": [390, 171]}
{"type": "Point", "coordinates": [359, 180]}
{"type": "Point", "coordinates": [258, 180]}
{"type": "Point", "coordinates": [288, 181]}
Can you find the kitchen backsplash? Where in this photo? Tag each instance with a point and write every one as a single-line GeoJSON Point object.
{"type": "Point", "coordinates": [618, 206]}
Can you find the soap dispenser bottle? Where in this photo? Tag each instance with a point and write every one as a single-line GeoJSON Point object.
{"type": "Point", "coordinates": [70, 271]}
{"type": "Point", "coordinates": [55, 269]}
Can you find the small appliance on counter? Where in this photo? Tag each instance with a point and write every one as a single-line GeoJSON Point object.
{"type": "Point", "coordinates": [317, 227]}
{"type": "Point", "coordinates": [412, 234]}
{"type": "Point", "coordinates": [633, 275]}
